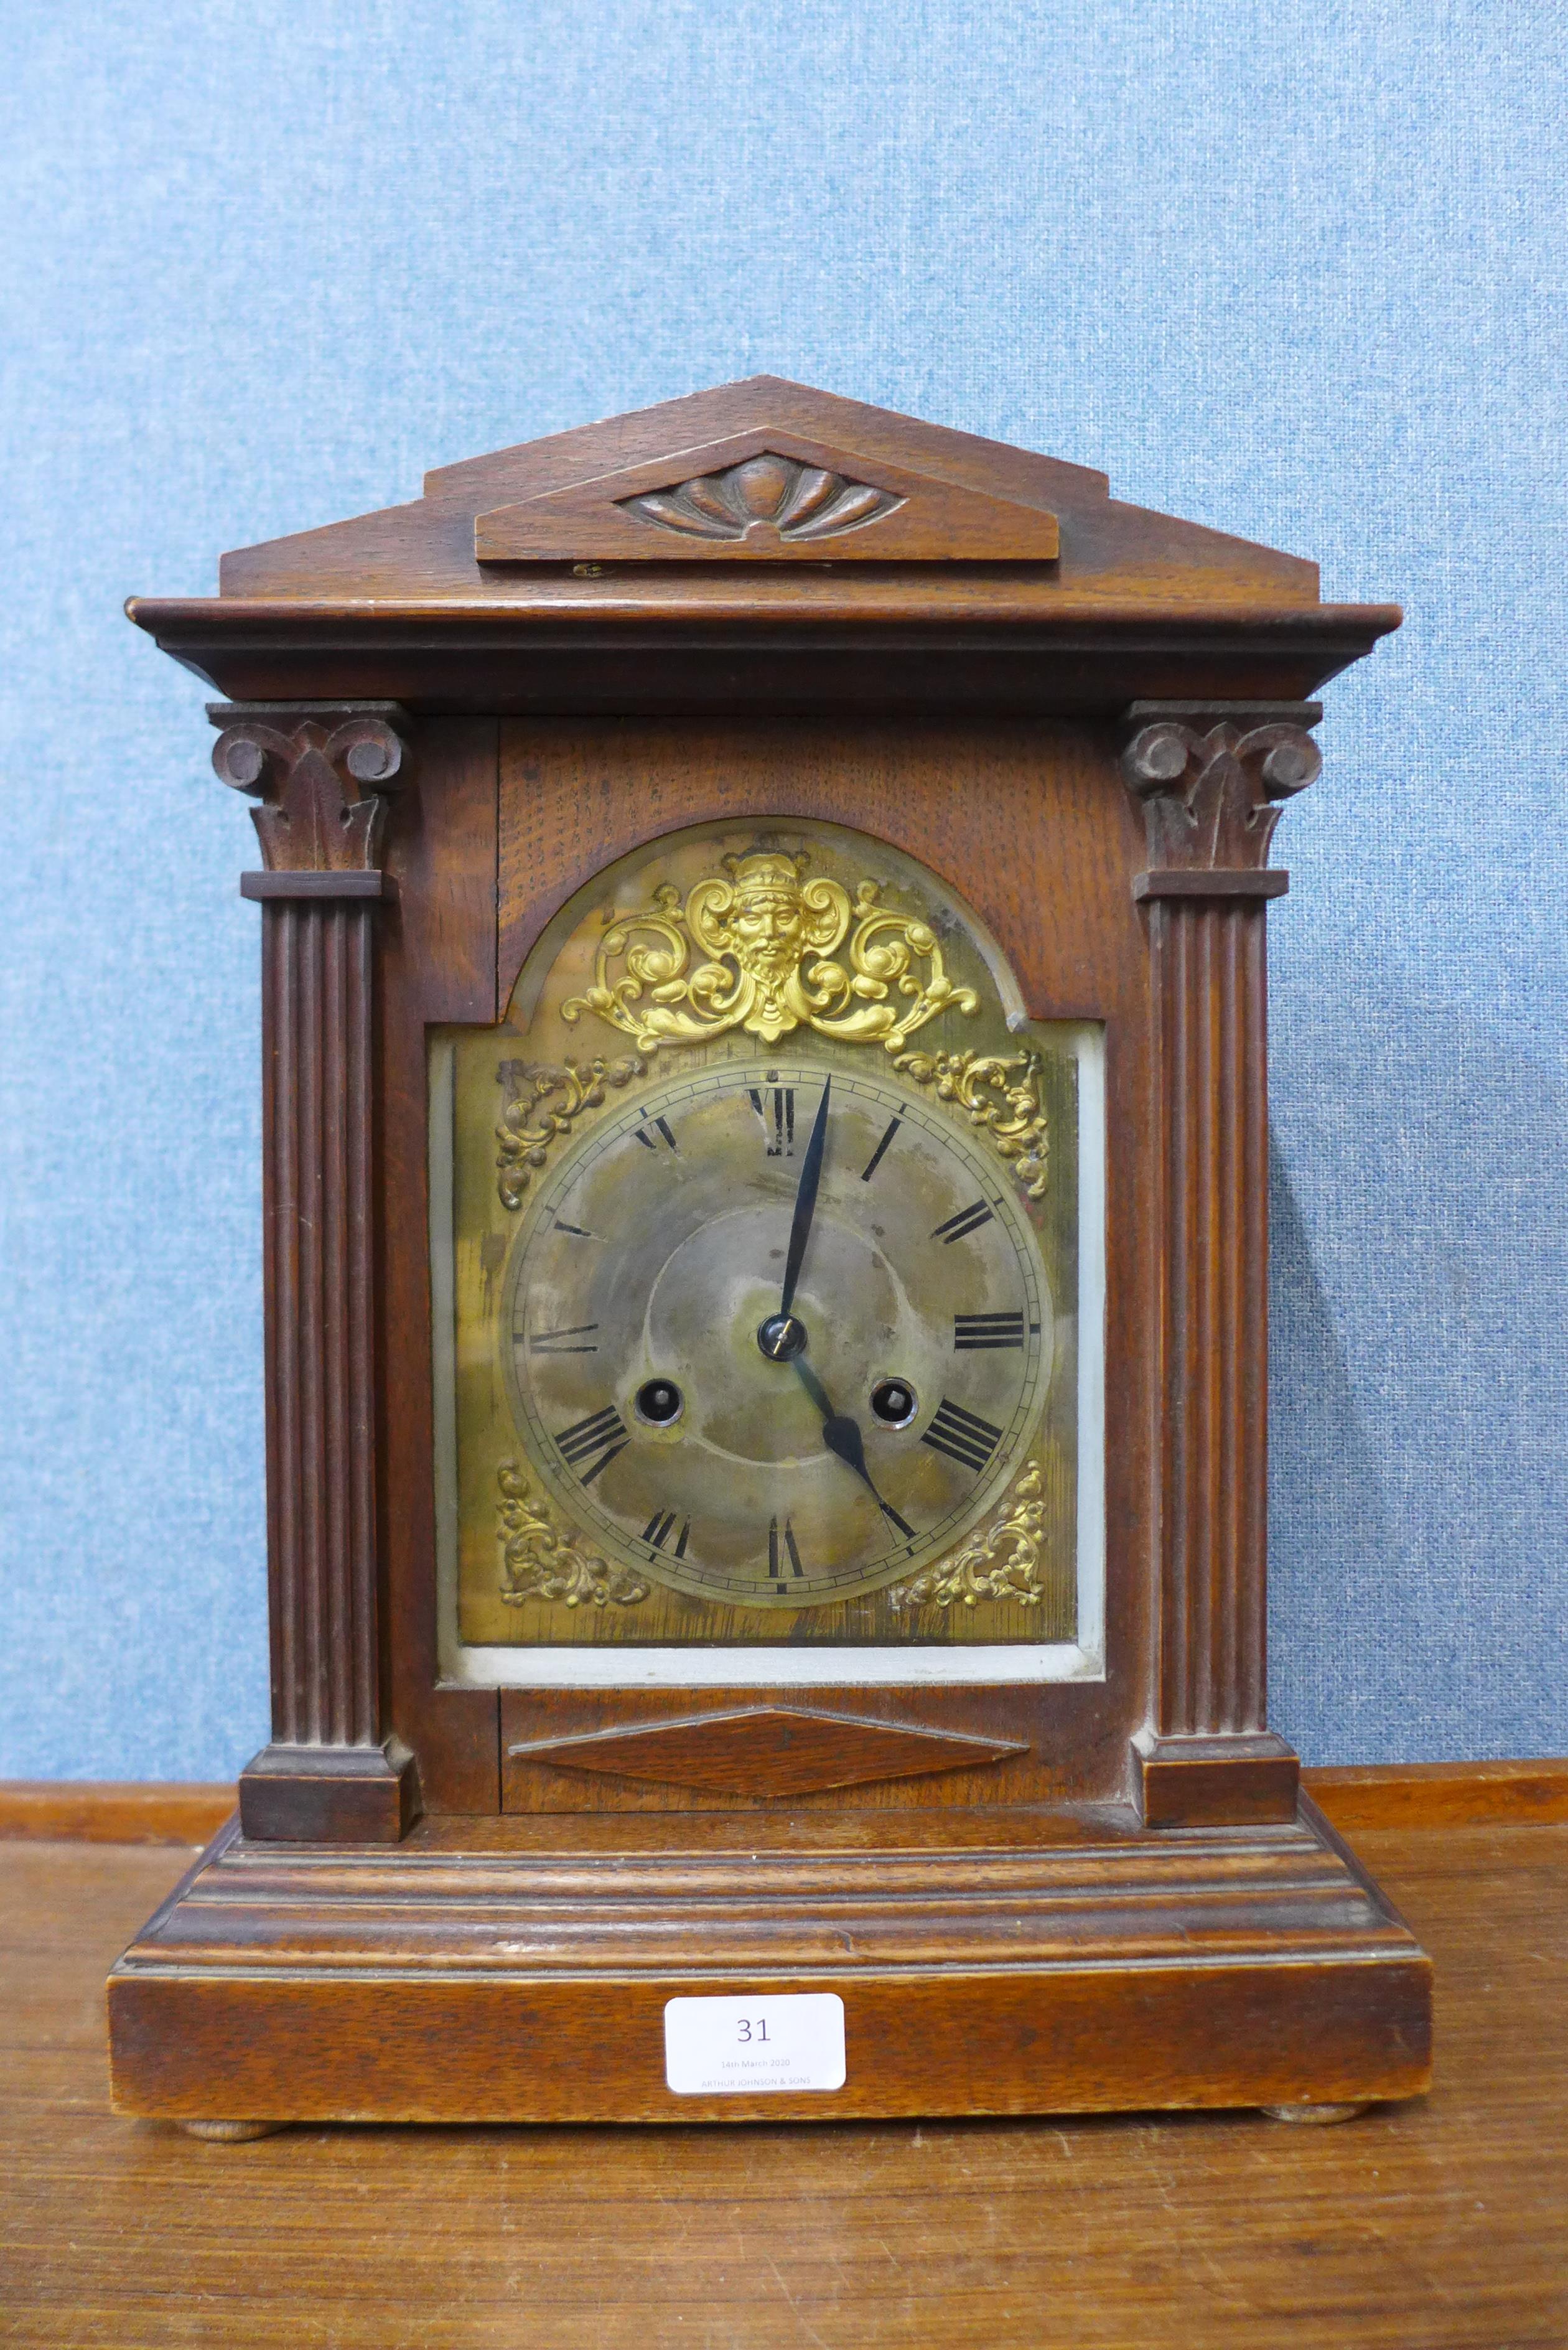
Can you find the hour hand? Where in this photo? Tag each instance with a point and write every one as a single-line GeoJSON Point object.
{"type": "Point", "coordinates": [840, 1434]}
{"type": "Point", "coordinates": [843, 1439]}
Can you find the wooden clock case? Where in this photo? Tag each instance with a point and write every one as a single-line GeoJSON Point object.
{"type": "Point", "coordinates": [765, 601]}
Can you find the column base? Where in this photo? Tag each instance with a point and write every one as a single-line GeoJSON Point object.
{"type": "Point", "coordinates": [329, 1795]}
{"type": "Point", "coordinates": [1234, 1781]}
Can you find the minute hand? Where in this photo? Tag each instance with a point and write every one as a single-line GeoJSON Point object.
{"type": "Point", "coordinates": [806, 1199]}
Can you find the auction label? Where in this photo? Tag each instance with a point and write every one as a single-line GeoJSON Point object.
{"type": "Point", "coordinates": [746, 2047]}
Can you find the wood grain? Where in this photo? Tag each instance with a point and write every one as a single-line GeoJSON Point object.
{"type": "Point", "coordinates": [1437, 2223]}
{"type": "Point", "coordinates": [317, 991]}
{"type": "Point", "coordinates": [125, 1811]}
{"type": "Point", "coordinates": [1208, 980]}
{"type": "Point", "coordinates": [768, 495]}
{"type": "Point", "coordinates": [1441, 1794]}
{"type": "Point", "coordinates": [1352, 1795]}
{"type": "Point", "coordinates": [1086, 1959]}
{"type": "Point", "coordinates": [1211, 781]}
{"type": "Point", "coordinates": [437, 964]}
{"type": "Point", "coordinates": [1034, 1744]}
{"type": "Point", "coordinates": [319, 777]}
{"type": "Point", "coordinates": [761, 1749]}
{"type": "Point", "coordinates": [676, 643]}
{"type": "Point", "coordinates": [1108, 550]}
{"type": "Point", "coordinates": [1197, 1781]}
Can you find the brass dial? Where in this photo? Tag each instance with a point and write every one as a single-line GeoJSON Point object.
{"type": "Point", "coordinates": [775, 1332]}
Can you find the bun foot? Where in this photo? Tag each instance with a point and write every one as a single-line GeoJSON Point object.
{"type": "Point", "coordinates": [231, 2133]}
{"type": "Point", "coordinates": [1319, 2113]}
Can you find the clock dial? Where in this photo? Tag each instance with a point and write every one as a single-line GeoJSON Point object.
{"type": "Point", "coordinates": [762, 1319]}
{"type": "Point", "coordinates": [777, 1333]}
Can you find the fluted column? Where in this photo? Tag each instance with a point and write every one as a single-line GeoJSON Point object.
{"type": "Point", "coordinates": [1209, 780]}
{"type": "Point", "coordinates": [320, 773]}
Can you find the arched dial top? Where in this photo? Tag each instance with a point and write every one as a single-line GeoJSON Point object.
{"type": "Point", "coordinates": [777, 1333]}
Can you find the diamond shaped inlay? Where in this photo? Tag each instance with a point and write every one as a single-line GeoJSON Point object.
{"type": "Point", "coordinates": [767, 1749]}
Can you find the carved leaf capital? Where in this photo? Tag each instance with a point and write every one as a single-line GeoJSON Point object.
{"type": "Point", "coordinates": [320, 781]}
{"type": "Point", "coordinates": [1210, 800]}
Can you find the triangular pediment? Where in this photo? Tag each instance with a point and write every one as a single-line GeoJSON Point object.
{"type": "Point", "coordinates": [850, 500]}
{"type": "Point", "coordinates": [727, 411]}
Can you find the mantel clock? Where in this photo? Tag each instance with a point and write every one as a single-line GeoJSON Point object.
{"type": "Point", "coordinates": [762, 939]}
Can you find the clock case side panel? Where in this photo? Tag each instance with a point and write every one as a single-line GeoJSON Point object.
{"type": "Point", "coordinates": [437, 950]}
{"type": "Point", "coordinates": [1028, 822]}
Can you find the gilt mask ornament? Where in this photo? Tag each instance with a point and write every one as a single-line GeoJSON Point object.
{"type": "Point", "coordinates": [767, 938]}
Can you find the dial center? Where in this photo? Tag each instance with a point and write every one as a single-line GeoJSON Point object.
{"type": "Point", "coordinates": [782, 1337]}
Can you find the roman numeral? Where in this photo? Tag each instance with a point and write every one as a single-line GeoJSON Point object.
{"type": "Point", "coordinates": [967, 1221]}
{"type": "Point", "coordinates": [776, 1558]}
{"type": "Point", "coordinates": [647, 1139]}
{"type": "Point", "coordinates": [603, 1432]}
{"type": "Point", "coordinates": [657, 1532]}
{"type": "Point", "coordinates": [962, 1435]}
{"type": "Point", "coordinates": [777, 1114]}
{"type": "Point", "coordinates": [560, 1342]}
{"type": "Point", "coordinates": [987, 1330]}
{"type": "Point", "coordinates": [875, 1159]}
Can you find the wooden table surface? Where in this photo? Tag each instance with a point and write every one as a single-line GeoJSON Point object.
{"type": "Point", "coordinates": [1437, 2224]}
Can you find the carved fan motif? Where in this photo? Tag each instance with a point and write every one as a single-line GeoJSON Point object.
{"type": "Point", "coordinates": [765, 499]}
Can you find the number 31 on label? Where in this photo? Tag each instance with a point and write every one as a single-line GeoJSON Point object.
{"type": "Point", "coordinates": [754, 2047]}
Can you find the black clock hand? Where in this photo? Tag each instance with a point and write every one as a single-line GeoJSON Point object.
{"type": "Point", "coordinates": [843, 1439]}
{"type": "Point", "coordinates": [806, 1199]}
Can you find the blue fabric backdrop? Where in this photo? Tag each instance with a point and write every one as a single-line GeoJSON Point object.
{"type": "Point", "coordinates": [1292, 270]}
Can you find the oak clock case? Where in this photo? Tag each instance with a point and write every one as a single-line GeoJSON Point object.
{"type": "Point", "coordinates": [763, 917]}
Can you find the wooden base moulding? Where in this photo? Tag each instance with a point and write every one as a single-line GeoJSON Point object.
{"type": "Point", "coordinates": [1021, 1962]}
